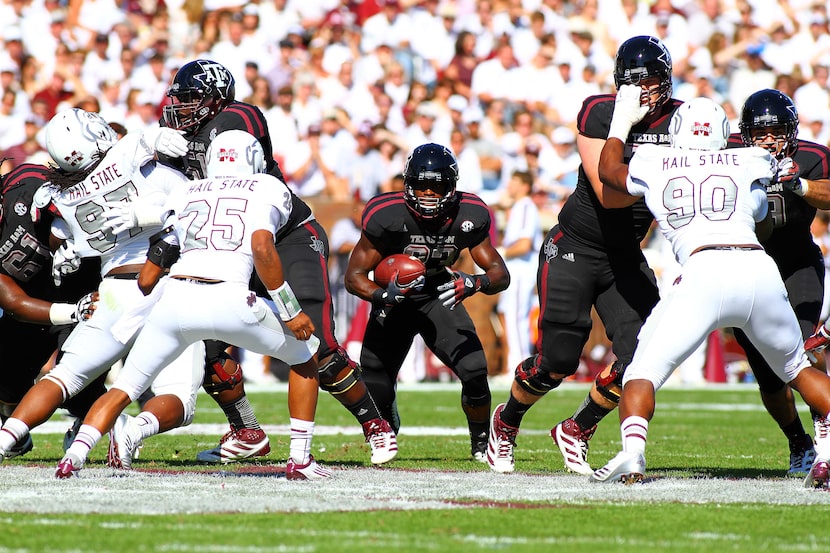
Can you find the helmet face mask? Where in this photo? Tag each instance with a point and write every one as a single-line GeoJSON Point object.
{"type": "Point", "coordinates": [769, 120]}
{"type": "Point", "coordinates": [644, 61]}
{"type": "Point", "coordinates": [430, 178]}
{"type": "Point", "coordinates": [199, 91]}
{"type": "Point", "coordinates": [699, 124]}
{"type": "Point", "coordinates": [233, 153]}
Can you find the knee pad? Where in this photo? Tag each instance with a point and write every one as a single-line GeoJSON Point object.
{"type": "Point", "coordinates": [333, 378]}
{"type": "Point", "coordinates": [532, 379]}
{"type": "Point", "coordinates": [475, 392]}
{"type": "Point", "coordinates": [609, 381]}
{"type": "Point", "coordinates": [221, 373]}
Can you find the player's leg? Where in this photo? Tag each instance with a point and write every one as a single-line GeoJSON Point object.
{"type": "Point", "coordinates": [451, 336]}
{"type": "Point", "coordinates": [172, 405]}
{"type": "Point", "coordinates": [386, 343]}
{"type": "Point", "coordinates": [304, 254]}
{"type": "Point", "coordinates": [270, 337]}
{"type": "Point", "coordinates": [21, 367]}
{"type": "Point", "coordinates": [693, 305]}
{"type": "Point", "coordinates": [627, 293]}
{"type": "Point", "coordinates": [89, 352]}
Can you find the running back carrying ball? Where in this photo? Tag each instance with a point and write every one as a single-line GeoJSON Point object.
{"type": "Point", "coordinates": [407, 267]}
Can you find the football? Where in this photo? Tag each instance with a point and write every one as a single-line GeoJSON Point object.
{"type": "Point", "coordinates": [408, 268]}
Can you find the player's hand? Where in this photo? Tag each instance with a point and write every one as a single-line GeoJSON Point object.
{"type": "Point", "coordinates": [395, 293]}
{"type": "Point", "coordinates": [65, 261]}
{"type": "Point", "coordinates": [85, 307]}
{"type": "Point", "coordinates": [788, 173]}
{"type": "Point", "coordinates": [628, 111]}
{"type": "Point", "coordinates": [463, 286]}
{"type": "Point", "coordinates": [166, 141]}
{"type": "Point", "coordinates": [118, 217]}
{"type": "Point", "coordinates": [301, 326]}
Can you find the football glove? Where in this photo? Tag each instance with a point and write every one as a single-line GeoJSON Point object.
{"type": "Point", "coordinates": [395, 293]}
{"type": "Point", "coordinates": [788, 173]}
{"type": "Point", "coordinates": [166, 141]}
{"type": "Point", "coordinates": [65, 261]}
{"type": "Point", "coordinates": [818, 341]}
{"type": "Point", "coordinates": [85, 306]}
{"type": "Point", "coordinates": [628, 111]}
{"type": "Point", "coordinates": [463, 286]}
{"type": "Point", "coordinates": [120, 216]}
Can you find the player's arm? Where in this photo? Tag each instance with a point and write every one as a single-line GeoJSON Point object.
{"type": "Point", "coordinates": [364, 258]}
{"type": "Point", "coordinates": [268, 267]}
{"type": "Point", "coordinates": [612, 170]}
{"type": "Point", "coordinates": [817, 192]}
{"type": "Point", "coordinates": [164, 250]}
{"type": "Point", "coordinates": [24, 308]}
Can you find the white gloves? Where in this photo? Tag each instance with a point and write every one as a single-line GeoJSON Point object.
{"type": "Point", "coordinates": [64, 261]}
{"type": "Point", "coordinates": [71, 313]}
{"type": "Point", "coordinates": [124, 215]}
{"type": "Point", "coordinates": [166, 141]}
{"type": "Point", "coordinates": [627, 111]}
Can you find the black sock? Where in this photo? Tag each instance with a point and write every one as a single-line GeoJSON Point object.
{"type": "Point", "coordinates": [364, 409]}
{"type": "Point", "coordinates": [589, 414]}
{"type": "Point", "coordinates": [513, 412]}
{"type": "Point", "coordinates": [795, 431]}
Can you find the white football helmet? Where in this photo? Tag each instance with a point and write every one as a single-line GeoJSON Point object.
{"type": "Point", "coordinates": [234, 153]}
{"type": "Point", "coordinates": [699, 124]}
{"type": "Point", "coordinates": [76, 138]}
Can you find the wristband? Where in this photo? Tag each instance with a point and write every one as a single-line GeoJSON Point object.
{"type": "Point", "coordinates": [62, 313]}
{"type": "Point", "coordinates": [620, 130]}
{"type": "Point", "coordinates": [801, 190]}
{"type": "Point", "coordinates": [483, 283]}
{"type": "Point", "coordinates": [287, 304]}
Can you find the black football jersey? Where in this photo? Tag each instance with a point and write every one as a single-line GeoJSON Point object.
{"type": "Point", "coordinates": [24, 242]}
{"type": "Point", "coordinates": [244, 117]}
{"type": "Point", "coordinates": [791, 238]}
{"type": "Point", "coordinates": [583, 217]}
{"type": "Point", "coordinates": [393, 228]}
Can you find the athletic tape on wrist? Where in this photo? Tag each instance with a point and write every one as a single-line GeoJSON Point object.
{"type": "Point", "coordinates": [62, 313]}
{"type": "Point", "coordinates": [287, 304]}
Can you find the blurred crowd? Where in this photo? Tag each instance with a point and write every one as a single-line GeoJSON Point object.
{"type": "Point", "coordinates": [349, 87]}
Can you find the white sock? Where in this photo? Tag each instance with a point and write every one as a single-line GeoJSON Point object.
{"type": "Point", "coordinates": [301, 433]}
{"type": "Point", "coordinates": [634, 433]}
{"type": "Point", "coordinates": [148, 424]}
{"type": "Point", "coordinates": [84, 441]}
{"type": "Point", "coordinates": [13, 431]}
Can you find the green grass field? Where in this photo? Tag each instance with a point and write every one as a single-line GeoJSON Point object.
{"type": "Point", "coordinates": [715, 482]}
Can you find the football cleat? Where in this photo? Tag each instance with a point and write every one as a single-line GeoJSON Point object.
{"type": "Point", "coordinates": [500, 444]}
{"type": "Point", "coordinates": [478, 449]}
{"type": "Point", "coordinates": [628, 468]}
{"type": "Point", "coordinates": [802, 455]}
{"type": "Point", "coordinates": [573, 444]}
{"type": "Point", "coordinates": [819, 475]}
{"type": "Point", "coordinates": [125, 440]}
{"type": "Point", "coordinates": [69, 466]}
{"type": "Point", "coordinates": [20, 448]}
{"type": "Point", "coordinates": [71, 432]}
{"type": "Point", "coordinates": [381, 439]}
{"type": "Point", "coordinates": [236, 445]}
{"type": "Point", "coordinates": [309, 471]}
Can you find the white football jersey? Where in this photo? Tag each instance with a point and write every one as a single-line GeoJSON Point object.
{"type": "Point", "coordinates": [124, 175]}
{"type": "Point", "coordinates": [214, 220]}
{"type": "Point", "coordinates": [702, 197]}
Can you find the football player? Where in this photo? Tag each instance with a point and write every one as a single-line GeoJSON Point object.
{"type": "Point", "coordinates": [708, 203]}
{"type": "Point", "coordinates": [769, 119]}
{"type": "Point", "coordinates": [36, 312]}
{"type": "Point", "coordinates": [211, 277]}
{"type": "Point", "coordinates": [96, 172]}
{"type": "Point", "coordinates": [592, 258]}
{"type": "Point", "coordinates": [433, 222]}
{"type": "Point", "coordinates": [203, 105]}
